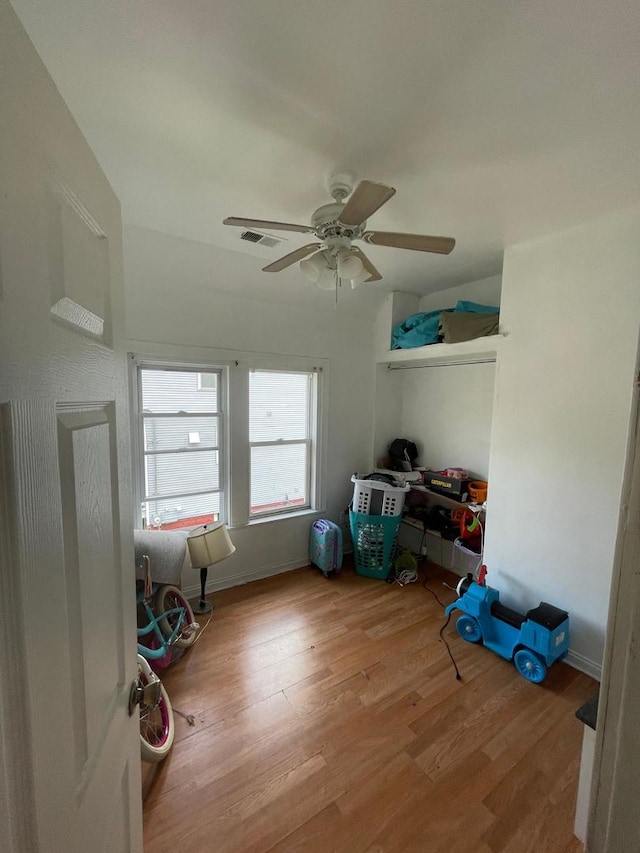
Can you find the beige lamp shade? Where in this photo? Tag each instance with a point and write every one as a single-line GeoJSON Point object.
{"type": "Point", "coordinates": [209, 544]}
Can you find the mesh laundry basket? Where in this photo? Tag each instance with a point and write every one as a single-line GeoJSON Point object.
{"type": "Point", "coordinates": [375, 497]}
{"type": "Point", "coordinates": [374, 539]}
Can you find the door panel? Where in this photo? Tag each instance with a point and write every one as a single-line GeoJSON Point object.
{"type": "Point", "coordinates": [86, 458]}
{"type": "Point", "coordinates": [69, 752]}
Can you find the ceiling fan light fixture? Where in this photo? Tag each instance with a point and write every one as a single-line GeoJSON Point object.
{"type": "Point", "coordinates": [349, 265]}
{"type": "Point", "coordinates": [313, 267]}
{"type": "Point", "coordinates": [362, 276]}
{"type": "Point", "coordinates": [327, 280]}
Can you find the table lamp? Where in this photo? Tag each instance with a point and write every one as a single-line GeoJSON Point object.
{"type": "Point", "coordinates": [208, 544]}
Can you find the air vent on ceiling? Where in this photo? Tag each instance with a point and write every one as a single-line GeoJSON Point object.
{"type": "Point", "coordinates": [262, 239]}
{"type": "Point", "coordinates": [251, 236]}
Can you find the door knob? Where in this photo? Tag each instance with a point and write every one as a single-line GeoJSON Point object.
{"type": "Point", "coordinates": [144, 694]}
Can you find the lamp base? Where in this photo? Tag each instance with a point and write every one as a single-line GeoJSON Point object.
{"type": "Point", "coordinates": [201, 605]}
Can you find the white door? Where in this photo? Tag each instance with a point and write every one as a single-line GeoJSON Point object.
{"type": "Point", "coordinates": [69, 751]}
{"type": "Point", "coordinates": [614, 825]}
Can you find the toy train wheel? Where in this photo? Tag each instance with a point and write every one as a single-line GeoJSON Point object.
{"type": "Point", "coordinates": [469, 629]}
{"type": "Point", "coordinates": [530, 665]}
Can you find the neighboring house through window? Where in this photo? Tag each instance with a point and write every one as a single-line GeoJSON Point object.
{"type": "Point", "coordinates": [280, 436]}
{"type": "Point", "coordinates": [181, 432]}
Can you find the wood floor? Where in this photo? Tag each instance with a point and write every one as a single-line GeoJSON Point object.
{"type": "Point", "coordinates": [328, 718]}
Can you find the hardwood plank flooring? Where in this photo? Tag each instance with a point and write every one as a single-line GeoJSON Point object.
{"type": "Point", "coordinates": [328, 718]}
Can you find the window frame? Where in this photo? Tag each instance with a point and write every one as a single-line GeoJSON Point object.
{"type": "Point", "coordinates": [138, 417]}
{"type": "Point", "coordinates": [235, 463]}
{"type": "Point", "coordinates": [310, 443]}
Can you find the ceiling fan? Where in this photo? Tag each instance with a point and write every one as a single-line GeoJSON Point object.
{"type": "Point", "coordinates": [336, 225]}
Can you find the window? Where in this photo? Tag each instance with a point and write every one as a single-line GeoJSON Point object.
{"type": "Point", "coordinates": [227, 439]}
{"type": "Point", "coordinates": [180, 429]}
{"type": "Point", "coordinates": [281, 406]}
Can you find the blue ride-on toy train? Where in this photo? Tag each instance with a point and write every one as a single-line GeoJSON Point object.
{"type": "Point", "coordinates": [533, 641]}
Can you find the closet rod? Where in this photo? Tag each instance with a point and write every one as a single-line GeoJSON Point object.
{"type": "Point", "coordinates": [441, 364]}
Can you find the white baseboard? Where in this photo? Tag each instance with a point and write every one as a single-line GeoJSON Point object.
{"type": "Point", "coordinates": [589, 667]}
{"type": "Point", "coordinates": [216, 584]}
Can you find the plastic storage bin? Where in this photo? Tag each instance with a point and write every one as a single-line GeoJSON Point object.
{"type": "Point", "coordinates": [375, 497]}
{"type": "Point", "coordinates": [464, 559]}
{"type": "Point", "coordinates": [374, 538]}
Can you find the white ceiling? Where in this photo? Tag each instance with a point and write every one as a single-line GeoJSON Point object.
{"type": "Point", "coordinates": [495, 121]}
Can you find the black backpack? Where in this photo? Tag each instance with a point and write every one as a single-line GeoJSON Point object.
{"type": "Point", "coordinates": [402, 454]}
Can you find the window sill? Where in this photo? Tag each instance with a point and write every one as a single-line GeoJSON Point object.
{"type": "Point", "coordinates": [285, 516]}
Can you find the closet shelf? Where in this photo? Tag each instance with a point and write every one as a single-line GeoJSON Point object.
{"type": "Point", "coordinates": [479, 349]}
{"type": "Point", "coordinates": [444, 499]}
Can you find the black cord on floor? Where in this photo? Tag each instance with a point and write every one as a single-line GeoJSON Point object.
{"type": "Point", "coordinates": [433, 594]}
{"type": "Point", "coordinates": [444, 640]}
{"type": "Point", "coordinates": [442, 637]}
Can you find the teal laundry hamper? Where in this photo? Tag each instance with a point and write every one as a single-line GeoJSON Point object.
{"type": "Point", "coordinates": [374, 539]}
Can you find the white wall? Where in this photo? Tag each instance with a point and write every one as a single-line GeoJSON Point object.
{"type": "Point", "coordinates": [486, 291]}
{"type": "Point", "coordinates": [570, 310]}
{"type": "Point", "coordinates": [447, 412]}
{"type": "Point", "coordinates": [395, 308]}
{"type": "Point", "coordinates": [388, 411]}
{"type": "Point", "coordinates": [173, 306]}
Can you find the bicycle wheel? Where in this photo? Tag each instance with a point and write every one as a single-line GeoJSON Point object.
{"type": "Point", "coordinates": [157, 727]}
{"type": "Point", "coordinates": [168, 598]}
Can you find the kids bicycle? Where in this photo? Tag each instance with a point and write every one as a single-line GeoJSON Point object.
{"type": "Point", "coordinates": [157, 726]}
{"type": "Point", "coordinates": [169, 623]}
{"type": "Point", "coordinates": [165, 620]}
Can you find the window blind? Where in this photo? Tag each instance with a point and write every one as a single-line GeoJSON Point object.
{"type": "Point", "coordinates": [280, 440]}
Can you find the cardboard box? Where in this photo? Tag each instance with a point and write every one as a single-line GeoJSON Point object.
{"type": "Point", "coordinates": [457, 490]}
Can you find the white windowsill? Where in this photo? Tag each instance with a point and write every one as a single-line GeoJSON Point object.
{"type": "Point", "coordinates": [284, 516]}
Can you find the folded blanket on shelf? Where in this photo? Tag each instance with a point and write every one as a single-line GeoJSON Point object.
{"type": "Point", "coordinates": [462, 326]}
{"type": "Point", "coordinates": [425, 328]}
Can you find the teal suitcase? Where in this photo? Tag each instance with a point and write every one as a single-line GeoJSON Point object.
{"type": "Point", "coordinates": [325, 546]}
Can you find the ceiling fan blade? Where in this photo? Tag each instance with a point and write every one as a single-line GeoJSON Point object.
{"type": "Point", "coordinates": [374, 275]}
{"type": "Point", "coordinates": [365, 200]}
{"type": "Point", "coordinates": [265, 223]}
{"type": "Point", "coordinates": [292, 257]}
{"type": "Point", "coordinates": [417, 242]}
